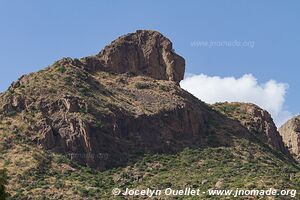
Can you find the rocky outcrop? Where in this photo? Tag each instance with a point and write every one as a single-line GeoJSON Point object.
{"type": "Point", "coordinates": [258, 121]}
{"type": "Point", "coordinates": [73, 104]}
{"type": "Point", "coordinates": [144, 52]}
{"type": "Point", "coordinates": [290, 132]}
{"type": "Point", "coordinates": [112, 138]}
{"type": "Point", "coordinates": [13, 103]}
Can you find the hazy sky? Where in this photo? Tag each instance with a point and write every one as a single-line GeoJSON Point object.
{"type": "Point", "coordinates": [217, 38]}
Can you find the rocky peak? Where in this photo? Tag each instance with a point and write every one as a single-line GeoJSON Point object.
{"type": "Point", "coordinates": [290, 132]}
{"type": "Point", "coordinates": [144, 52]}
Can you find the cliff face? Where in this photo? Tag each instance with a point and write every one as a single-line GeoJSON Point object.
{"type": "Point", "coordinates": [144, 52]}
{"type": "Point", "coordinates": [290, 132]}
{"type": "Point", "coordinates": [258, 121]}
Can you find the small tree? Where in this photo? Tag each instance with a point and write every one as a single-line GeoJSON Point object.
{"type": "Point", "coordinates": [3, 182]}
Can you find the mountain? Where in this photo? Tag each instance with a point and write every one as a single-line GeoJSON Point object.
{"type": "Point", "coordinates": [290, 132]}
{"type": "Point", "coordinates": [118, 119]}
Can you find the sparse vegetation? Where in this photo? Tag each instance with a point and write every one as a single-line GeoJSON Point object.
{"type": "Point", "coordinates": [196, 168]}
{"type": "Point", "coordinates": [164, 88]}
{"type": "Point", "coordinates": [11, 113]}
{"type": "Point", "coordinates": [227, 108]}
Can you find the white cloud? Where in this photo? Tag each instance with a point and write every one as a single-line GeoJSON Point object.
{"type": "Point", "coordinates": [269, 96]}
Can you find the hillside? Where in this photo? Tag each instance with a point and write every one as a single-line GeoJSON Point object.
{"type": "Point", "coordinates": [258, 121]}
{"type": "Point", "coordinates": [119, 119]}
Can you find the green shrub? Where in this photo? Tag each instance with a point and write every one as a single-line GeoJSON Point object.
{"type": "Point", "coordinates": [59, 184]}
{"type": "Point", "coordinates": [61, 69]}
{"type": "Point", "coordinates": [3, 182]}
{"type": "Point", "coordinates": [83, 91]}
{"type": "Point", "coordinates": [163, 88]}
{"type": "Point", "coordinates": [141, 85]}
{"type": "Point", "coordinates": [11, 113]}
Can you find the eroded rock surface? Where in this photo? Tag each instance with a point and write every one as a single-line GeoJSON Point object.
{"type": "Point", "coordinates": [258, 121]}
{"type": "Point", "coordinates": [144, 52]}
{"type": "Point", "coordinates": [290, 132]}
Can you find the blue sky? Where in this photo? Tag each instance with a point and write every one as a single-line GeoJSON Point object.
{"type": "Point", "coordinates": [33, 34]}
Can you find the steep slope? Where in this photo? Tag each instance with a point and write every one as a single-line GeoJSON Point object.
{"type": "Point", "coordinates": [290, 132]}
{"type": "Point", "coordinates": [103, 119]}
{"type": "Point", "coordinates": [258, 121]}
{"type": "Point", "coordinates": [81, 127]}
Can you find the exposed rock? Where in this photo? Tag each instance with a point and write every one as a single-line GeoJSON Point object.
{"type": "Point", "coordinates": [141, 53]}
{"type": "Point", "coordinates": [18, 102]}
{"type": "Point", "coordinates": [219, 184]}
{"type": "Point", "coordinates": [290, 132]}
{"type": "Point", "coordinates": [17, 83]}
{"type": "Point", "coordinates": [13, 103]}
{"type": "Point", "coordinates": [144, 52]}
{"type": "Point", "coordinates": [73, 104]}
{"type": "Point", "coordinates": [258, 121]}
{"type": "Point", "coordinates": [47, 137]}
